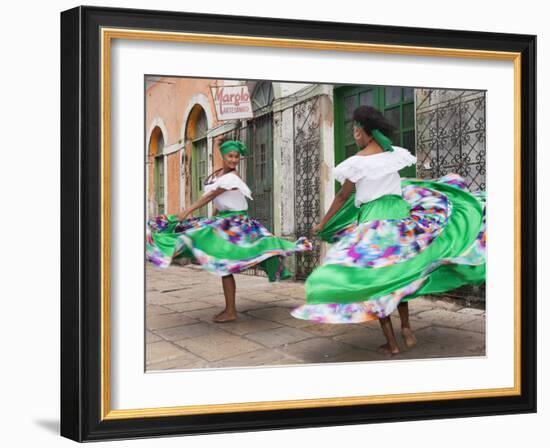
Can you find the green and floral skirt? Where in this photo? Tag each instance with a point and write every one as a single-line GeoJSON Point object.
{"type": "Point", "coordinates": [392, 249]}
{"type": "Point", "coordinates": [224, 244]}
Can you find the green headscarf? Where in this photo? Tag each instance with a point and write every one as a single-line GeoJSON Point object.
{"type": "Point", "coordinates": [233, 145]}
{"type": "Point", "coordinates": [381, 139]}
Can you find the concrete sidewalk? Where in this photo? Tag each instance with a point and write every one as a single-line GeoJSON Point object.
{"type": "Point", "coordinates": [181, 300]}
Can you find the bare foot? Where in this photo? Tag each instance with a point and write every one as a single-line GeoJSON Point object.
{"type": "Point", "coordinates": [408, 337]}
{"type": "Point", "coordinates": [387, 350]}
{"type": "Point", "coordinates": [225, 316]}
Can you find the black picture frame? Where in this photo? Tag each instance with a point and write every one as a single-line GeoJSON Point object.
{"type": "Point", "coordinates": [82, 209]}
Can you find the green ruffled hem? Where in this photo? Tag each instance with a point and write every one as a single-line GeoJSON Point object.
{"type": "Point", "coordinates": [334, 283]}
{"type": "Point", "coordinates": [271, 266]}
{"type": "Point", "coordinates": [207, 241]}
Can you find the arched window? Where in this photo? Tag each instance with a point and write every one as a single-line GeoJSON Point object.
{"type": "Point", "coordinates": [155, 166]}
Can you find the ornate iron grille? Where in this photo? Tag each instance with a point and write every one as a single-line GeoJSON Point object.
{"type": "Point", "coordinates": [451, 137]}
{"type": "Point", "coordinates": [307, 197]}
{"type": "Point", "coordinates": [451, 134]}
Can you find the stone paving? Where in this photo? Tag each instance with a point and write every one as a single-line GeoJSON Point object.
{"type": "Point", "coordinates": [181, 300]}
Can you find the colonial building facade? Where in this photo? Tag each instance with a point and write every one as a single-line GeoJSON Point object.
{"type": "Point", "coordinates": [298, 132]}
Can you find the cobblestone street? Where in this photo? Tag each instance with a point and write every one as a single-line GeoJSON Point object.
{"type": "Point", "coordinates": [181, 301]}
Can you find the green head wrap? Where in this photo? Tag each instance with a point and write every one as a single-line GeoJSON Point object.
{"type": "Point", "coordinates": [233, 145]}
{"type": "Point", "coordinates": [381, 139]}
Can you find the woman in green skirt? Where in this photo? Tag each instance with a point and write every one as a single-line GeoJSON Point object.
{"type": "Point", "coordinates": [392, 239]}
{"type": "Point", "coordinates": [226, 243]}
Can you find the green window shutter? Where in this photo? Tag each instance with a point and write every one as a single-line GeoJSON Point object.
{"type": "Point", "coordinates": [199, 172]}
{"type": "Point", "coordinates": [397, 104]}
{"type": "Point", "coordinates": [199, 161]}
{"type": "Point", "coordinates": [159, 184]}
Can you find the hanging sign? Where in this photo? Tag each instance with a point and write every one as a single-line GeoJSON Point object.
{"type": "Point", "coordinates": [232, 102]}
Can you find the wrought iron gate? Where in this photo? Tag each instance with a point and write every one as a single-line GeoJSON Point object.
{"type": "Point", "coordinates": [451, 134]}
{"type": "Point", "coordinates": [307, 150]}
{"type": "Point", "coordinates": [451, 138]}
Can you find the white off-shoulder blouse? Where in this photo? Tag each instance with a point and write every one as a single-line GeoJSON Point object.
{"type": "Point", "coordinates": [234, 198]}
{"type": "Point", "coordinates": [374, 175]}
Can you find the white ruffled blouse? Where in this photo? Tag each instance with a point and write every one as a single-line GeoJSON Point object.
{"type": "Point", "coordinates": [374, 175]}
{"type": "Point", "coordinates": [235, 197]}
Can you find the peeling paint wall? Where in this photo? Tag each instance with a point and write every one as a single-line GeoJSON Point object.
{"type": "Point", "coordinates": [171, 100]}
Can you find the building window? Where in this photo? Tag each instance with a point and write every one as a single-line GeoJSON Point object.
{"type": "Point", "coordinates": [398, 108]}
{"type": "Point", "coordinates": [159, 175]}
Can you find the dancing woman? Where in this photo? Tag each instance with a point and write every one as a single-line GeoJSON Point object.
{"type": "Point", "coordinates": [392, 239]}
{"type": "Point", "coordinates": [226, 243]}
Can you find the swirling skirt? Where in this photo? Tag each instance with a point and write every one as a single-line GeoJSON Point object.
{"type": "Point", "coordinates": [429, 240]}
{"type": "Point", "coordinates": [224, 244]}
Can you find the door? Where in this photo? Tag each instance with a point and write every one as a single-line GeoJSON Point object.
{"type": "Point", "coordinates": [259, 169]}
{"type": "Point", "coordinates": [397, 105]}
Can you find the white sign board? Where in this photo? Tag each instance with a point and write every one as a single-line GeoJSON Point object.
{"type": "Point", "coordinates": [232, 102]}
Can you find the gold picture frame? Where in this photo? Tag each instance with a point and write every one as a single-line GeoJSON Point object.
{"type": "Point", "coordinates": [90, 395]}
